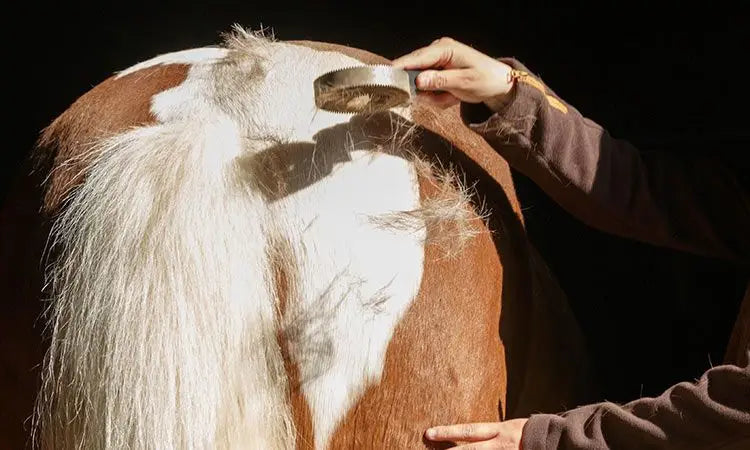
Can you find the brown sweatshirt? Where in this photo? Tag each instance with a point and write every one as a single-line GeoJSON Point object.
{"type": "Point", "coordinates": [691, 203]}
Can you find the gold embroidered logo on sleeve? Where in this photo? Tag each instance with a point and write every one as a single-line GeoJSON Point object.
{"type": "Point", "coordinates": [525, 77]}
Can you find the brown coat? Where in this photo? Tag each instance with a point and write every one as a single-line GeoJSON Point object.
{"type": "Point", "coordinates": [691, 204]}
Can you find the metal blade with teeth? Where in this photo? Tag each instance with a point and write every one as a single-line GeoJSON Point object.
{"type": "Point", "coordinates": [364, 89]}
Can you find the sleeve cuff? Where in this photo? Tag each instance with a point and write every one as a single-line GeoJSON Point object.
{"type": "Point", "coordinates": [536, 432]}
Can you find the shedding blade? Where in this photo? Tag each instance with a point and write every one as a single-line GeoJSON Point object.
{"type": "Point", "coordinates": [364, 89]}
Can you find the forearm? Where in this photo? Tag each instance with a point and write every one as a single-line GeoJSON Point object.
{"type": "Point", "coordinates": [689, 204]}
{"type": "Point", "coordinates": [715, 410]}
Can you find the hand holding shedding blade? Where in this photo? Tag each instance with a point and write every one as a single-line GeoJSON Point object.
{"type": "Point", "coordinates": [365, 89]}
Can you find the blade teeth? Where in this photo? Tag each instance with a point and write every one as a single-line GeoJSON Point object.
{"type": "Point", "coordinates": [341, 69]}
{"type": "Point", "coordinates": [355, 67]}
{"type": "Point", "coordinates": [361, 66]}
{"type": "Point", "coordinates": [386, 85]}
{"type": "Point", "coordinates": [330, 72]}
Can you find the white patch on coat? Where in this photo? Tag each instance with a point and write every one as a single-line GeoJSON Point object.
{"type": "Point", "coordinates": [354, 280]}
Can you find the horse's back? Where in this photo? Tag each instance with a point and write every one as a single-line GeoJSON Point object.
{"type": "Point", "coordinates": [233, 265]}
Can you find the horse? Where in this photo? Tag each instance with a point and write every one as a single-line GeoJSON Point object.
{"type": "Point", "coordinates": [198, 257]}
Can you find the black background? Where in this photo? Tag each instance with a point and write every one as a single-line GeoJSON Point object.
{"type": "Point", "coordinates": [665, 77]}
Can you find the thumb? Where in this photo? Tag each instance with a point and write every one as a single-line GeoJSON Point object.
{"type": "Point", "coordinates": [452, 80]}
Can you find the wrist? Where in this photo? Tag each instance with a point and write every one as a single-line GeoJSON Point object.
{"type": "Point", "coordinates": [504, 76]}
{"type": "Point", "coordinates": [498, 101]}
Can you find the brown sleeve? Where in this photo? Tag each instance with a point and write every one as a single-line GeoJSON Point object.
{"type": "Point", "coordinates": [714, 412]}
{"type": "Point", "coordinates": [693, 204]}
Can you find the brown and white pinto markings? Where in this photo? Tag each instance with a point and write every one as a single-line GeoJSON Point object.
{"type": "Point", "coordinates": [233, 268]}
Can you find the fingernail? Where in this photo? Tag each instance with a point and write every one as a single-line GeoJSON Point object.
{"type": "Point", "coordinates": [430, 433]}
